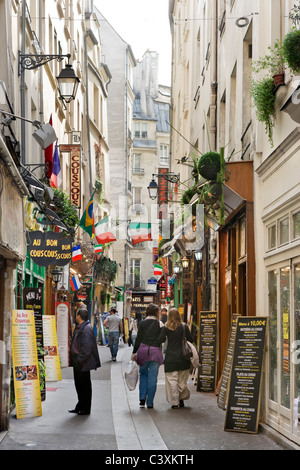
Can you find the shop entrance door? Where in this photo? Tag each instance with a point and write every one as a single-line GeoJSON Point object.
{"type": "Point", "coordinates": [284, 349]}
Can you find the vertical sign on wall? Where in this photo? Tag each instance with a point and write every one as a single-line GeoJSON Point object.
{"type": "Point", "coordinates": [25, 365]}
{"type": "Point", "coordinates": [75, 172]}
{"type": "Point", "coordinates": [52, 362]}
{"type": "Point", "coordinates": [163, 194]}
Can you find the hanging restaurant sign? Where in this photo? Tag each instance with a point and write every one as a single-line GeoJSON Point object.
{"type": "Point", "coordinates": [75, 172]}
{"type": "Point", "coordinates": [47, 248]}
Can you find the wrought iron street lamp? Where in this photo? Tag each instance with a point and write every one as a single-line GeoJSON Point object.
{"type": "Point", "coordinates": [185, 263]}
{"type": "Point", "coordinates": [176, 268]}
{"type": "Point", "coordinates": [67, 84]}
{"type": "Point", "coordinates": [153, 186]}
{"type": "Point", "coordinates": [67, 80]}
{"type": "Point", "coordinates": [56, 276]}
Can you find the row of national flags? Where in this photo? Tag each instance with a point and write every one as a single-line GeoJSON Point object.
{"type": "Point", "coordinates": [104, 232]}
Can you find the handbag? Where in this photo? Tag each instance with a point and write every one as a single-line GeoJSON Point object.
{"type": "Point", "coordinates": [189, 351]}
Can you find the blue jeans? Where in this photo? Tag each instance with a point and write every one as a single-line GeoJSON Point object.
{"type": "Point", "coordinates": [113, 341]}
{"type": "Point", "coordinates": [148, 381]}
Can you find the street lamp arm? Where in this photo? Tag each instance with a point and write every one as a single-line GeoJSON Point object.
{"type": "Point", "coordinates": [33, 61]}
{"type": "Point", "coordinates": [37, 124]}
{"type": "Point", "coordinates": [171, 177]}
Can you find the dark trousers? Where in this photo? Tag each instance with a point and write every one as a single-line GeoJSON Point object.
{"type": "Point", "coordinates": [83, 387]}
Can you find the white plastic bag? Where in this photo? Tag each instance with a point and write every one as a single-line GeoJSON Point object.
{"type": "Point", "coordinates": [131, 377]}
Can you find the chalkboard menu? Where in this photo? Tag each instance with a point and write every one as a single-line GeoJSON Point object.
{"type": "Point", "coordinates": [208, 347]}
{"type": "Point", "coordinates": [222, 395]}
{"type": "Point", "coordinates": [242, 411]}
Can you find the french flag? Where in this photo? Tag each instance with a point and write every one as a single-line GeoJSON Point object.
{"type": "Point", "coordinates": [55, 180]}
{"type": "Point", "coordinates": [76, 253]}
{"type": "Point", "coordinates": [75, 283]}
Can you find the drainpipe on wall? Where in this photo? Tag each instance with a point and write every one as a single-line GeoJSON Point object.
{"type": "Point", "coordinates": [126, 185]}
{"type": "Point", "coordinates": [22, 86]}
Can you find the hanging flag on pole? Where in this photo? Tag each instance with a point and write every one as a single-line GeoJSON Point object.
{"type": "Point", "coordinates": [140, 232]}
{"type": "Point", "coordinates": [75, 283]}
{"type": "Point", "coordinates": [103, 232]}
{"type": "Point", "coordinates": [87, 222]}
{"type": "Point", "coordinates": [48, 152]}
{"type": "Point", "coordinates": [158, 270]}
{"type": "Point", "coordinates": [98, 249]}
{"type": "Point", "coordinates": [76, 253]}
{"type": "Point", "coordinates": [56, 173]}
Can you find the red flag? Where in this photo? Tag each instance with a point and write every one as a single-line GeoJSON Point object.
{"type": "Point", "coordinates": [49, 156]}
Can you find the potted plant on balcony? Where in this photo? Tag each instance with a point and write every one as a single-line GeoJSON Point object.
{"type": "Point", "coordinates": [263, 94]}
{"type": "Point", "coordinates": [273, 62]}
{"type": "Point", "coordinates": [291, 49]}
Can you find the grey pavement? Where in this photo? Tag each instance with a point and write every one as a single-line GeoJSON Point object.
{"type": "Point", "coordinates": [116, 422]}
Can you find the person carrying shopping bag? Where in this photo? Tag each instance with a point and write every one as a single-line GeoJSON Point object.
{"type": "Point", "coordinates": [176, 367]}
{"type": "Point", "coordinates": [148, 355]}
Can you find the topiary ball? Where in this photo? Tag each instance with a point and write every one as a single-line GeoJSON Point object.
{"type": "Point", "coordinates": [291, 49]}
{"type": "Point", "coordinates": [210, 165]}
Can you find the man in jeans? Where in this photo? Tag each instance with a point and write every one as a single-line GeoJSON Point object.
{"type": "Point", "coordinates": [115, 327]}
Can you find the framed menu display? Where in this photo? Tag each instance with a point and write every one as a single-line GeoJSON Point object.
{"type": "Point", "coordinates": [208, 352]}
{"type": "Point", "coordinates": [242, 412]}
{"type": "Point", "coordinates": [25, 365]}
{"type": "Point", "coordinates": [52, 361]}
{"type": "Point", "coordinates": [223, 390]}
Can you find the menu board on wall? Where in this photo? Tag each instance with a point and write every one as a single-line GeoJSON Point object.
{"type": "Point", "coordinates": [25, 365]}
{"type": "Point", "coordinates": [52, 362]}
{"type": "Point", "coordinates": [33, 300]}
{"type": "Point", "coordinates": [62, 320]}
{"type": "Point", "coordinates": [208, 352]}
{"type": "Point", "coordinates": [223, 390]}
{"type": "Point", "coordinates": [242, 411]}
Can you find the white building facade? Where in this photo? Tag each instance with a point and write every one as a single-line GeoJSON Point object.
{"type": "Point", "coordinates": [215, 45]}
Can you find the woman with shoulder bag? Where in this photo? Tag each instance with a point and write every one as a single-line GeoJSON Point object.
{"type": "Point", "coordinates": [176, 366]}
{"type": "Point", "coordinates": [149, 355]}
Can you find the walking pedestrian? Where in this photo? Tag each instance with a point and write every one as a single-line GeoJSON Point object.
{"type": "Point", "coordinates": [115, 328]}
{"type": "Point", "coordinates": [176, 367]}
{"type": "Point", "coordinates": [164, 315]}
{"type": "Point", "coordinates": [133, 330]}
{"type": "Point", "coordinates": [84, 357]}
{"type": "Point", "coordinates": [149, 356]}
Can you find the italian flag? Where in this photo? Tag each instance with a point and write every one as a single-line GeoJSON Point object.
{"type": "Point", "coordinates": [140, 232]}
{"type": "Point", "coordinates": [158, 270]}
{"type": "Point", "coordinates": [103, 232]}
{"type": "Point", "coordinates": [98, 249]}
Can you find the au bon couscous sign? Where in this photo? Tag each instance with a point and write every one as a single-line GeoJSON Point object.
{"type": "Point", "coordinates": [46, 248]}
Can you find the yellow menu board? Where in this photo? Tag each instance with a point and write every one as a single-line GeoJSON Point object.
{"type": "Point", "coordinates": [52, 362]}
{"type": "Point", "coordinates": [25, 365]}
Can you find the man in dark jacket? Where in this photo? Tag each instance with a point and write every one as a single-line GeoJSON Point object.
{"type": "Point", "coordinates": [84, 357]}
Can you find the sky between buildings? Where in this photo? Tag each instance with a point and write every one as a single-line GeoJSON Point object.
{"type": "Point", "coordinates": [143, 24]}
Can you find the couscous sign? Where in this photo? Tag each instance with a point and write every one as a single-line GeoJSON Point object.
{"type": "Point", "coordinates": [47, 248]}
